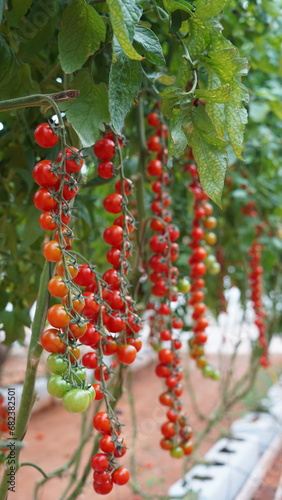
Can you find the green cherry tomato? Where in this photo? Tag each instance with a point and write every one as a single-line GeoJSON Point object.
{"type": "Point", "coordinates": [177, 452]}
{"type": "Point", "coordinates": [207, 371]}
{"type": "Point", "coordinates": [215, 268]}
{"type": "Point", "coordinates": [76, 400]}
{"type": "Point", "coordinates": [56, 363]}
{"type": "Point", "coordinates": [184, 285]}
{"type": "Point", "coordinates": [210, 260]}
{"type": "Point", "coordinates": [57, 386]}
{"type": "Point", "coordinates": [80, 373]}
{"type": "Point", "coordinates": [215, 375]}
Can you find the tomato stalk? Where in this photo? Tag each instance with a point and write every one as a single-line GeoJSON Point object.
{"type": "Point", "coordinates": [34, 353]}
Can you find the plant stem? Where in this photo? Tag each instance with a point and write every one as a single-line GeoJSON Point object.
{"type": "Point", "coordinates": [28, 396]}
{"type": "Point", "coordinates": [38, 100]}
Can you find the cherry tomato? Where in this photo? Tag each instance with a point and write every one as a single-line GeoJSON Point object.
{"type": "Point", "coordinates": [46, 221]}
{"type": "Point", "coordinates": [56, 363]}
{"type": "Point", "coordinates": [45, 136]}
{"type": "Point", "coordinates": [84, 276]}
{"type": "Point", "coordinates": [126, 354]}
{"type": "Point", "coordinates": [102, 423]}
{"type": "Point", "coordinates": [113, 235]}
{"type": "Point", "coordinates": [57, 386]}
{"type": "Point", "coordinates": [59, 269]}
{"type": "Point", "coordinates": [70, 190]}
{"type": "Point", "coordinates": [177, 452]}
{"type": "Point", "coordinates": [120, 476]}
{"type": "Point", "coordinates": [104, 149]}
{"type": "Point", "coordinates": [104, 488]}
{"type": "Point", "coordinates": [43, 200]}
{"type": "Point", "coordinates": [99, 393]}
{"type": "Point", "coordinates": [90, 360]}
{"type": "Point", "coordinates": [52, 251]}
{"type": "Point", "coordinates": [106, 169]}
{"type": "Point", "coordinates": [76, 400]}
{"type": "Point", "coordinates": [153, 119]}
{"type": "Point", "coordinates": [154, 143]}
{"type": "Point", "coordinates": [77, 302]}
{"type": "Point", "coordinates": [44, 175]}
{"type": "Point", "coordinates": [113, 203]}
{"type": "Point", "coordinates": [100, 462]}
{"type": "Point", "coordinates": [106, 444]}
{"type": "Point", "coordinates": [58, 316]}
{"type": "Point", "coordinates": [168, 429]}
{"type": "Point", "coordinates": [155, 168]}
{"type": "Point", "coordinates": [57, 287]}
{"type": "Point", "coordinates": [73, 162]}
{"type": "Point", "coordinates": [52, 342]}
{"type": "Point", "coordinates": [127, 186]}
{"type": "Point", "coordinates": [77, 330]}
{"type": "Point", "coordinates": [91, 336]}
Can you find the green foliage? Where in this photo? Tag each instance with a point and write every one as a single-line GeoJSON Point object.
{"type": "Point", "coordinates": [82, 32]}
{"type": "Point", "coordinates": [114, 53]}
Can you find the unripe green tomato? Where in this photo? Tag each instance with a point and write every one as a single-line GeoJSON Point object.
{"type": "Point", "coordinates": [215, 375]}
{"type": "Point", "coordinates": [177, 452]}
{"type": "Point", "coordinates": [76, 400]}
{"type": "Point", "coordinates": [91, 393]}
{"type": "Point", "coordinates": [56, 363]}
{"type": "Point", "coordinates": [184, 285]}
{"type": "Point", "coordinates": [79, 373]}
{"type": "Point", "coordinates": [207, 371]}
{"type": "Point", "coordinates": [210, 260]}
{"type": "Point", "coordinates": [214, 268]}
{"type": "Point", "coordinates": [57, 386]}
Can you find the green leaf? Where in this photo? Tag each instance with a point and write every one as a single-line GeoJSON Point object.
{"type": "Point", "coordinates": [7, 61]}
{"type": "Point", "coordinates": [226, 63]}
{"type": "Point", "coordinates": [80, 36]}
{"type": "Point", "coordinates": [38, 27]}
{"type": "Point", "coordinates": [148, 43]}
{"type": "Point", "coordinates": [88, 112]}
{"type": "Point", "coordinates": [172, 5]}
{"type": "Point", "coordinates": [124, 84]}
{"type": "Point", "coordinates": [216, 110]}
{"type": "Point", "coordinates": [220, 94]}
{"type": "Point", "coordinates": [20, 8]}
{"type": "Point", "coordinates": [209, 8]}
{"type": "Point", "coordinates": [166, 79]}
{"type": "Point", "coordinates": [208, 149]}
{"type": "Point", "coordinates": [211, 163]}
{"type": "Point", "coordinates": [20, 83]}
{"type": "Point", "coordinates": [124, 14]}
{"type": "Point", "coordinates": [171, 99]}
{"type": "Point", "coordinates": [32, 230]}
{"type": "Point", "coordinates": [236, 118]}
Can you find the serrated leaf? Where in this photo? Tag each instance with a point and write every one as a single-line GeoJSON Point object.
{"type": "Point", "coordinates": [20, 8]}
{"type": "Point", "coordinates": [82, 31]}
{"type": "Point", "coordinates": [236, 118]}
{"type": "Point", "coordinates": [220, 94]}
{"type": "Point", "coordinates": [211, 164]}
{"type": "Point", "coordinates": [124, 84]}
{"type": "Point", "coordinates": [149, 45]}
{"type": "Point", "coordinates": [124, 14]}
{"type": "Point", "coordinates": [186, 73]}
{"type": "Point", "coordinates": [88, 112]}
{"type": "Point", "coordinates": [226, 63]}
{"type": "Point", "coordinates": [215, 110]}
{"type": "Point", "coordinates": [199, 36]}
{"type": "Point", "coordinates": [170, 99]}
{"type": "Point", "coordinates": [206, 9]}
{"type": "Point", "coordinates": [172, 5]}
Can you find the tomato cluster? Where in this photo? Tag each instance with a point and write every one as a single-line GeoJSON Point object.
{"type": "Point", "coordinates": [164, 326]}
{"type": "Point", "coordinates": [201, 261]}
{"type": "Point", "coordinates": [256, 281]}
{"type": "Point", "coordinates": [112, 445]}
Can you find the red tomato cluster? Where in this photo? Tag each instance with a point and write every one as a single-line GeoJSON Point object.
{"type": "Point", "coordinates": [200, 261]}
{"type": "Point", "coordinates": [112, 446]}
{"type": "Point", "coordinates": [165, 328]}
{"type": "Point", "coordinates": [255, 281]}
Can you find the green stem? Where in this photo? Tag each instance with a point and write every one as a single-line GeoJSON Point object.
{"type": "Point", "coordinates": [29, 464]}
{"type": "Point", "coordinates": [28, 396]}
{"type": "Point", "coordinates": [140, 190]}
{"type": "Point", "coordinates": [38, 100]}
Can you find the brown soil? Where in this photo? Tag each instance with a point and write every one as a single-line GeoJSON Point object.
{"type": "Point", "coordinates": [53, 435]}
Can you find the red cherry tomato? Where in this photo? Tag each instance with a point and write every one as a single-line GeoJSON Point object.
{"type": "Point", "coordinates": [104, 149]}
{"type": "Point", "coordinates": [45, 136]}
